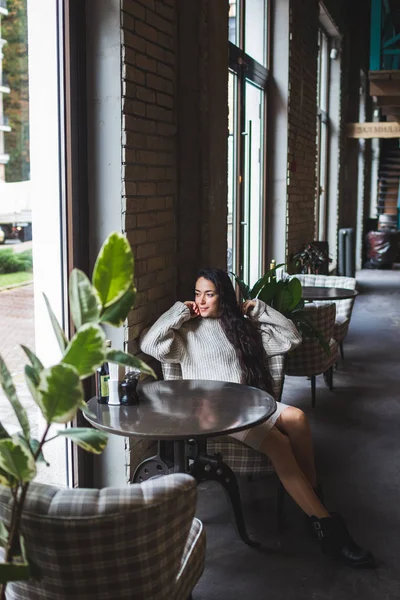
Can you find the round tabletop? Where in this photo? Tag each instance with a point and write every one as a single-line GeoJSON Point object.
{"type": "Point", "coordinates": [327, 293]}
{"type": "Point", "coordinates": [182, 409]}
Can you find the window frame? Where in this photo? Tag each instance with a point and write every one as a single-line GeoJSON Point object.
{"type": "Point", "coordinates": [322, 145]}
{"type": "Point", "coordinates": [76, 204]}
{"type": "Point", "coordinates": [248, 69]}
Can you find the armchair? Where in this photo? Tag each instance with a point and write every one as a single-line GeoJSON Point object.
{"type": "Point", "coordinates": [310, 359]}
{"type": "Point", "coordinates": [137, 542]}
{"type": "Point", "coordinates": [344, 308]}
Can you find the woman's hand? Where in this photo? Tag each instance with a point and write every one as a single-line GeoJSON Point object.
{"type": "Point", "coordinates": [247, 306]}
{"type": "Point", "coordinates": [194, 309]}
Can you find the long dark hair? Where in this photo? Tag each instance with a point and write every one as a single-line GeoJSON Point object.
{"type": "Point", "coordinates": [243, 334]}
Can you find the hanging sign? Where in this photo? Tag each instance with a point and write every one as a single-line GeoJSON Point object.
{"type": "Point", "coordinates": [373, 130]}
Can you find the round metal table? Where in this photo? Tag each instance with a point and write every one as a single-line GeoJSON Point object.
{"type": "Point", "coordinates": [182, 409]}
{"type": "Point", "coordinates": [327, 293]}
{"type": "Point", "coordinates": [180, 415]}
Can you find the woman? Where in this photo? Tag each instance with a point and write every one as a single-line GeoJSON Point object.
{"type": "Point", "coordinates": [213, 338]}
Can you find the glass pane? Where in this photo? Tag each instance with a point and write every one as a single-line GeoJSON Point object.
{"type": "Point", "coordinates": [255, 30]}
{"type": "Point", "coordinates": [30, 199]}
{"type": "Point", "coordinates": [253, 184]}
{"type": "Point", "coordinates": [319, 69]}
{"type": "Point", "coordinates": [323, 171]}
{"type": "Point", "coordinates": [233, 24]}
{"type": "Point", "coordinates": [323, 71]}
{"type": "Point", "coordinates": [324, 74]}
{"type": "Point", "coordinates": [232, 171]}
{"type": "Point", "coordinates": [318, 175]}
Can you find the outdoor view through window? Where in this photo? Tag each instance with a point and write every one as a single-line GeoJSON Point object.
{"type": "Point", "coordinates": [30, 201]}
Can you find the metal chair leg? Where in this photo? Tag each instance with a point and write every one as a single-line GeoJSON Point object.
{"type": "Point", "coordinates": [330, 378]}
{"type": "Point", "coordinates": [313, 391]}
{"type": "Point", "coordinates": [280, 501]}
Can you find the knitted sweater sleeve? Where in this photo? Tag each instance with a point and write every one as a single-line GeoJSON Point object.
{"type": "Point", "coordinates": [279, 334]}
{"type": "Point", "coordinates": [163, 340]}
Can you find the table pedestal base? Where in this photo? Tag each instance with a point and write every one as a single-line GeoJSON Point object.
{"type": "Point", "coordinates": [174, 457]}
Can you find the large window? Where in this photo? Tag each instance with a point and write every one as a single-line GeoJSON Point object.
{"type": "Point", "coordinates": [33, 200]}
{"type": "Point", "coordinates": [321, 205]}
{"type": "Point", "coordinates": [248, 76]}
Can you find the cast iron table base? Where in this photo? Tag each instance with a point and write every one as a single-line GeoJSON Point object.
{"type": "Point", "coordinates": [191, 457]}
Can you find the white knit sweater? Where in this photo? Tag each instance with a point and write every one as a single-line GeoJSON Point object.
{"type": "Point", "coordinates": [201, 347]}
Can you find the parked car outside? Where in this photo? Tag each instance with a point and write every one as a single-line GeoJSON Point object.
{"type": "Point", "coordinates": [2, 236]}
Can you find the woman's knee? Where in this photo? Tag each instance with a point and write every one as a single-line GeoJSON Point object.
{"type": "Point", "coordinates": [291, 418]}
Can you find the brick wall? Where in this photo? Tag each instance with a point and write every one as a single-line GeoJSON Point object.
{"type": "Point", "coordinates": [202, 138]}
{"type": "Point", "coordinates": [173, 229]}
{"type": "Point", "coordinates": [149, 172]}
{"type": "Point", "coordinates": [149, 154]}
{"type": "Point", "coordinates": [302, 123]}
{"type": "Point", "coordinates": [352, 22]}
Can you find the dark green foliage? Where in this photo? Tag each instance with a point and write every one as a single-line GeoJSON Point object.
{"type": "Point", "coordinates": [12, 262]}
{"type": "Point", "coordinates": [311, 259]}
{"type": "Point", "coordinates": [14, 29]}
{"type": "Point", "coordinates": [285, 297]}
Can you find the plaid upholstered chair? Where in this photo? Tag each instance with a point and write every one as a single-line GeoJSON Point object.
{"type": "Point", "coordinates": [140, 542]}
{"type": "Point", "coordinates": [310, 359]}
{"type": "Point", "coordinates": [344, 308]}
{"type": "Point", "coordinates": [242, 459]}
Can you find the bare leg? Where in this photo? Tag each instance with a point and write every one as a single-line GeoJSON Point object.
{"type": "Point", "coordinates": [294, 423]}
{"type": "Point", "coordinates": [277, 446]}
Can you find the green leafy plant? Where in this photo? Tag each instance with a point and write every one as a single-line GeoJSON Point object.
{"type": "Point", "coordinates": [311, 259]}
{"type": "Point", "coordinates": [14, 262]}
{"type": "Point", "coordinates": [58, 390]}
{"type": "Point", "coordinates": [284, 296]}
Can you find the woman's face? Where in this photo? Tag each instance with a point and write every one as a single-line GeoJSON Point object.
{"type": "Point", "coordinates": [206, 298]}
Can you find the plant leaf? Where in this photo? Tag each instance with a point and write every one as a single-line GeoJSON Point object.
{"type": "Point", "coordinates": [7, 480]}
{"type": "Point", "coordinates": [60, 393]}
{"type": "Point", "coordinates": [10, 391]}
{"type": "Point", "coordinates": [244, 288]}
{"type": "Point", "coordinates": [294, 286]}
{"type": "Point", "coordinates": [117, 312]}
{"type": "Point", "coordinates": [86, 410]}
{"type": "Point", "coordinates": [22, 546]}
{"type": "Point", "coordinates": [36, 364]}
{"type": "Point", "coordinates": [14, 572]}
{"type": "Point", "coordinates": [86, 351]}
{"type": "Point", "coordinates": [17, 460]}
{"type": "Point", "coordinates": [87, 438]}
{"type": "Point", "coordinates": [3, 432]}
{"type": "Point", "coordinates": [82, 299]}
{"type": "Point", "coordinates": [113, 271]}
{"type": "Point", "coordinates": [32, 379]}
{"type": "Point", "coordinates": [3, 534]}
{"type": "Point", "coordinates": [266, 279]}
{"type": "Point", "coordinates": [33, 447]}
{"type": "Point", "coordinates": [128, 360]}
{"type": "Point", "coordinates": [268, 291]}
{"type": "Point", "coordinates": [60, 335]}
{"type": "Point", "coordinates": [257, 287]}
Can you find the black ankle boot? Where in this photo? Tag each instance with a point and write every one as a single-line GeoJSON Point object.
{"type": "Point", "coordinates": [337, 542]}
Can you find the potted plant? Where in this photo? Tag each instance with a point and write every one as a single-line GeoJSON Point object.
{"type": "Point", "coordinates": [58, 390]}
{"type": "Point", "coordinates": [312, 258]}
{"type": "Point", "coordinates": [284, 296]}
